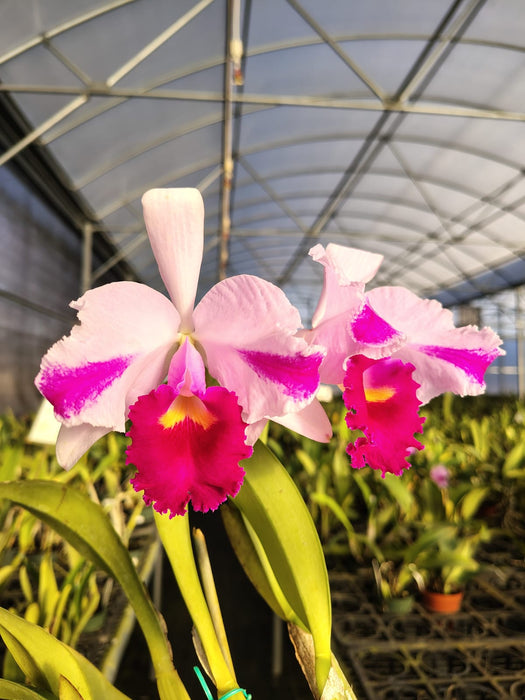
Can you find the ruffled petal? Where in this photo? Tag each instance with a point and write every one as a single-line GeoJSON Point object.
{"type": "Point", "coordinates": [187, 446]}
{"type": "Point", "coordinates": [380, 396]}
{"type": "Point", "coordinates": [118, 351]}
{"type": "Point", "coordinates": [346, 270]}
{"type": "Point", "coordinates": [175, 224]}
{"type": "Point", "coordinates": [446, 358]}
{"type": "Point", "coordinates": [246, 327]}
{"type": "Point", "coordinates": [73, 442]}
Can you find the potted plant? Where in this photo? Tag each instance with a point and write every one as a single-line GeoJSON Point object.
{"type": "Point", "coordinates": [396, 583]}
{"type": "Point", "coordinates": [445, 557]}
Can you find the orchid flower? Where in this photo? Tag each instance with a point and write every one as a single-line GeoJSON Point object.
{"type": "Point", "coordinates": [187, 439]}
{"type": "Point", "coordinates": [428, 355]}
{"type": "Point", "coordinates": [440, 475]}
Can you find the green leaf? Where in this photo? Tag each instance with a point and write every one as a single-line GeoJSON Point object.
{"type": "Point", "coordinates": [10, 461]}
{"type": "Point", "coordinates": [247, 555]}
{"type": "Point", "coordinates": [368, 497]}
{"type": "Point", "coordinates": [308, 464]}
{"type": "Point", "coordinates": [515, 460]}
{"type": "Point", "coordinates": [430, 538]}
{"type": "Point", "coordinates": [9, 690]}
{"type": "Point", "coordinates": [67, 691]}
{"type": "Point", "coordinates": [86, 527]}
{"type": "Point", "coordinates": [48, 594]}
{"type": "Point", "coordinates": [432, 506]}
{"type": "Point", "coordinates": [341, 473]}
{"type": "Point", "coordinates": [45, 659]}
{"type": "Point", "coordinates": [272, 505]}
{"type": "Point", "coordinates": [469, 505]}
{"type": "Point", "coordinates": [399, 489]}
{"type": "Point", "coordinates": [324, 499]}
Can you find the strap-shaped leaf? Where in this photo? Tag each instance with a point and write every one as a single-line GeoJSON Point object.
{"type": "Point", "coordinates": [84, 524]}
{"type": "Point", "coordinates": [273, 506]}
{"type": "Point", "coordinates": [43, 658]}
{"type": "Point", "coordinates": [9, 690]}
{"type": "Point", "coordinates": [250, 561]}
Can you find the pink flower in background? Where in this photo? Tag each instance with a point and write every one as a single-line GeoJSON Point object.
{"type": "Point", "coordinates": [440, 475]}
{"type": "Point", "coordinates": [130, 337]}
{"type": "Point", "coordinates": [390, 322]}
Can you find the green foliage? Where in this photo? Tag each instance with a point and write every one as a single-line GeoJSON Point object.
{"type": "Point", "coordinates": [395, 521]}
{"type": "Point", "coordinates": [42, 577]}
{"type": "Point", "coordinates": [50, 664]}
{"type": "Point", "coordinates": [277, 519]}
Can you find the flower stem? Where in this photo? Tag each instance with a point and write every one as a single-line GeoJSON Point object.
{"type": "Point", "coordinates": [210, 593]}
{"type": "Point", "coordinates": [175, 536]}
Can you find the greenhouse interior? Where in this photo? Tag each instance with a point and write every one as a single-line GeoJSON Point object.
{"type": "Point", "coordinates": [262, 379]}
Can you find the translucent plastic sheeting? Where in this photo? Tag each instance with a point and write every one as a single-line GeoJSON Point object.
{"type": "Point", "coordinates": [397, 127]}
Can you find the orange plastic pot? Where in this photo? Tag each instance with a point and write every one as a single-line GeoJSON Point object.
{"type": "Point", "coordinates": [444, 603]}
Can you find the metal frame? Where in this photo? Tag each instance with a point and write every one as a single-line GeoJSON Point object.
{"type": "Point", "coordinates": [221, 174]}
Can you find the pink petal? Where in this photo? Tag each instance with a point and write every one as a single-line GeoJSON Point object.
{"type": "Point", "coordinates": [175, 223]}
{"type": "Point", "coordinates": [311, 421]}
{"type": "Point", "coordinates": [381, 399]}
{"type": "Point", "coordinates": [118, 351]}
{"type": "Point", "coordinates": [254, 431]}
{"type": "Point", "coordinates": [446, 358]}
{"type": "Point", "coordinates": [247, 329]}
{"type": "Point", "coordinates": [187, 448]}
{"type": "Point", "coordinates": [73, 442]}
{"type": "Point", "coordinates": [346, 270]}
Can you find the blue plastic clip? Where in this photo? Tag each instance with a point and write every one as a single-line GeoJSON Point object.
{"type": "Point", "coordinates": [208, 694]}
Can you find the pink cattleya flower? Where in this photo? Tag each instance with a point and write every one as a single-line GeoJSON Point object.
{"type": "Point", "coordinates": [440, 475]}
{"type": "Point", "coordinates": [392, 322]}
{"type": "Point", "coordinates": [380, 396]}
{"type": "Point", "coordinates": [244, 329]}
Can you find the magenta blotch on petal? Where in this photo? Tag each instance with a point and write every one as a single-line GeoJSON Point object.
{"type": "Point", "coordinates": [367, 327]}
{"type": "Point", "coordinates": [473, 362]}
{"type": "Point", "coordinates": [380, 396]}
{"type": "Point", "coordinates": [296, 374]}
{"type": "Point", "coordinates": [69, 389]}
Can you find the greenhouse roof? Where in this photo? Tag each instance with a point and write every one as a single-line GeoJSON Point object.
{"type": "Point", "coordinates": [396, 127]}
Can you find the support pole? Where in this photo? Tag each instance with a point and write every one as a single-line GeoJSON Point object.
{"type": "Point", "coordinates": [233, 56]}
{"type": "Point", "coordinates": [520, 342]}
{"type": "Point", "coordinates": [87, 257]}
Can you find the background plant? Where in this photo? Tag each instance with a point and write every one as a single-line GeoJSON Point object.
{"type": "Point", "coordinates": [42, 577]}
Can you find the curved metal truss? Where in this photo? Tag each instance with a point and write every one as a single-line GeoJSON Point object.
{"type": "Point", "coordinates": [395, 127]}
